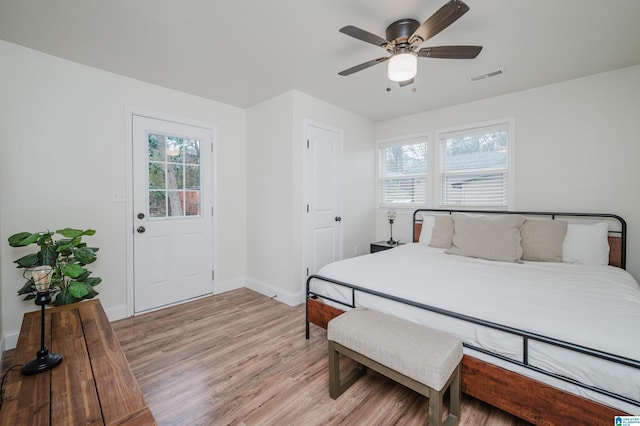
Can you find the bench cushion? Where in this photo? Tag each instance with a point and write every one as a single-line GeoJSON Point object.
{"type": "Point", "coordinates": [426, 355]}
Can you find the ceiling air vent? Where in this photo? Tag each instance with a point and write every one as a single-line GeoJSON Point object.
{"type": "Point", "coordinates": [495, 73]}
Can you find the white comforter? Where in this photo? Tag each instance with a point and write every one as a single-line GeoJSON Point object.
{"type": "Point", "coordinates": [592, 306]}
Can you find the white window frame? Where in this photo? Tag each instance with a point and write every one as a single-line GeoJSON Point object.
{"type": "Point", "coordinates": [471, 128]}
{"type": "Point", "coordinates": [433, 178]}
{"type": "Point", "coordinates": [403, 140]}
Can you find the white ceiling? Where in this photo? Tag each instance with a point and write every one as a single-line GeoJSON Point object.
{"type": "Point", "coordinates": [242, 52]}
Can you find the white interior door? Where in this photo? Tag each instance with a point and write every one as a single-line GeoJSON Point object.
{"type": "Point", "coordinates": [323, 191]}
{"type": "Point", "coordinates": [172, 207]}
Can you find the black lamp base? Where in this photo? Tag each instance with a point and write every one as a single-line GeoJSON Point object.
{"type": "Point", "coordinates": [41, 364]}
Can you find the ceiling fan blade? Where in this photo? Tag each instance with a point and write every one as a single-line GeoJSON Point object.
{"type": "Point", "coordinates": [406, 82]}
{"type": "Point", "coordinates": [362, 66]}
{"type": "Point", "coordinates": [440, 20]}
{"type": "Point", "coordinates": [363, 35]}
{"type": "Point", "coordinates": [450, 52]}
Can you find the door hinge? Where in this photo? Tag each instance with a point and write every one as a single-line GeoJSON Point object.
{"type": "Point", "coordinates": [307, 208]}
{"type": "Point", "coordinates": [307, 271]}
{"type": "Point", "coordinates": [307, 143]}
{"type": "Point", "coordinates": [211, 146]}
{"type": "Point", "coordinates": [213, 275]}
{"type": "Point", "coordinates": [211, 210]}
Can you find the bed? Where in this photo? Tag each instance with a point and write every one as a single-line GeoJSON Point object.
{"type": "Point", "coordinates": [549, 341]}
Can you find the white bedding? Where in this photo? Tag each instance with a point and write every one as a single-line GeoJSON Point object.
{"type": "Point", "coordinates": [592, 306]}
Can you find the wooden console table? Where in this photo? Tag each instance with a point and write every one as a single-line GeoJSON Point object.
{"type": "Point", "coordinates": [93, 385]}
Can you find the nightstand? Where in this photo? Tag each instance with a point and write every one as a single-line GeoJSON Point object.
{"type": "Point", "coordinates": [383, 245]}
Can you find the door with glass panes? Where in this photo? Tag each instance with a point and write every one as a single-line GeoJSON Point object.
{"type": "Point", "coordinates": [172, 207]}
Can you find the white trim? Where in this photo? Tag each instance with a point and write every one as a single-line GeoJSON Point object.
{"type": "Point", "coordinates": [10, 340]}
{"type": "Point", "coordinates": [437, 190]}
{"type": "Point", "coordinates": [228, 285]}
{"type": "Point", "coordinates": [115, 313]}
{"type": "Point", "coordinates": [306, 123]}
{"type": "Point", "coordinates": [406, 139]}
{"type": "Point", "coordinates": [130, 112]}
{"type": "Point", "coordinates": [276, 293]}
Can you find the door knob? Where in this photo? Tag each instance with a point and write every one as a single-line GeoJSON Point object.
{"type": "Point", "coordinates": [140, 229]}
{"type": "Point", "coordinates": [338, 219]}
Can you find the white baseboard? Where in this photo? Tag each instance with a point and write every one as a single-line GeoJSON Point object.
{"type": "Point", "coordinates": [10, 340]}
{"type": "Point", "coordinates": [115, 313]}
{"type": "Point", "coordinates": [224, 286]}
{"type": "Point", "coordinates": [287, 297]}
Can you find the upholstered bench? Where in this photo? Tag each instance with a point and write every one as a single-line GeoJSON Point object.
{"type": "Point", "coordinates": [419, 357]}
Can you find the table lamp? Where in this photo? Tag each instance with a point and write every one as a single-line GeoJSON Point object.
{"type": "Point", "coordinates": [44, 361]}
{"type": "Point", "coordinates": [391, 215]}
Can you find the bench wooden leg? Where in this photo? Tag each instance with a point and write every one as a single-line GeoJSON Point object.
{"type": "Point", "coordinates": [336, 386]}
{"type": "Point", "coordinates": [435, 402]}
{"type": "Point", "coordinates": [454, 394]}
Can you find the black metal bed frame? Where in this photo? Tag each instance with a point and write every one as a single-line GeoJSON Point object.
{"type": "Point", "coordinates": [524, 335]}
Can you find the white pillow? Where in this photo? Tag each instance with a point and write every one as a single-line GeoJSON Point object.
{"type": "Point", "coordinates": [427, 228]}
{"type": "Point", "coordinates": [586, 244]}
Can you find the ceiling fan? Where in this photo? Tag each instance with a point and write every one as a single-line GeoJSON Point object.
{"type": "Point", "coordinates": [404, 38]}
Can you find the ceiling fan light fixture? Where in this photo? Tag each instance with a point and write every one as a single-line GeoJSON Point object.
{"type": "Point", "coordinates": [402, 67]}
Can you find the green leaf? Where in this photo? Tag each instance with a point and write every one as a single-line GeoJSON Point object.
{"type": "Point", "coordinates": [93, 281]}
{"type": "Point", "coordinates": [27, 288]}
{"type": "Point", "coordinates": [91, 293]}
{"type": "Point", "coordinates": [47, 256]}
{"type": "Point", "coordinates": [85, 255]}
{"type": "Point", "coordinates": [70, 232]}
{"type": "Point", "coordinates": [63, 298]}
{"type": "Point", "coordinates": [83, 276]}
{"type": "Point", "coordinates": [27, 261]}
{"type": "Point", "coordinates": [72, 270]}
{"type": "Point", "coordinates": [78, 289]}
{"type": "Point", "coordinates": [22, 239]}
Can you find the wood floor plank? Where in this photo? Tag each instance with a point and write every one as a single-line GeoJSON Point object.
{"type": "Point", "coordinates": [240, 358]}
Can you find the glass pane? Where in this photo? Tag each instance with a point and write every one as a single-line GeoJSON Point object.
{"type": "Point", "coordinates": [192, 177]}
{"type": "Point", "coordinates": [403, 171]}
{"type": "Point", "coordinates": [175, 176]}
{"type": "Point", "coordinates": [174, 165]}
{"type": "Point", "coordinates": [405, 159]}
{"type": "Point", "coordinates": [192, 203]}
{"type": "Point", "coordinates": [174, 150]}
{"type": "Point", "coordinates": [176, 207]}
{"type": "Point", "coordinates": [479, 151]}
{"type": "Point", "coordinates": [191, 151]}
{"type": "Point", "coordinates": [156, 147]}
{"type": "Point", "coordinates": [156, 176]}
{"type": "Point", "coordinates": [157, 204]}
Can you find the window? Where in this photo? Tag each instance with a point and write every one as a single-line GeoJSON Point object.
{"type": "Point", "coordinates": [174, 176]}
{"type": "Point", "coordinates": [467, 167]}
{"type": "Point", "coordinates": [402, 172]}
{"type": "Point", "coordinates": [474, 167]}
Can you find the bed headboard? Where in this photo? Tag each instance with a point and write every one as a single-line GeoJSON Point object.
{"type": "Point", "coordinates": [617, 226]}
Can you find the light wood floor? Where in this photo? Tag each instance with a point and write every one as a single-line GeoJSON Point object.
{"type": "Point", "coordinates": [240, 358]}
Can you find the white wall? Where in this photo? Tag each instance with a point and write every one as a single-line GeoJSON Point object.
{"type": "Point", "coordinates": [275, 141]}
{"type": "Point", "coordinates": [269, 192]}
{"type": "Point", "coordinates": [63, 155]}
{"type": "Point", "coordinates": [577, 147]}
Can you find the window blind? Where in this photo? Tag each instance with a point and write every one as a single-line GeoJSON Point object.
{"type": "Point", "coordinates": [474, 167]}
{"type": "Point", "coordinates": [402, 172]}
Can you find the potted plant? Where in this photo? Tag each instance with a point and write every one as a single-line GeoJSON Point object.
{"type": "Point", "coordinates": [67, 255]}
